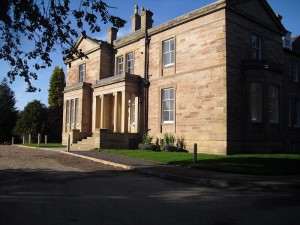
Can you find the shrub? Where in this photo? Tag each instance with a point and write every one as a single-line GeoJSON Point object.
{"type": "Point", "coordinates": [147, 139]}
{"type": "Point", "coordinates": [181, 143]}
{"type": "Point", "coordinates": [169, 139]}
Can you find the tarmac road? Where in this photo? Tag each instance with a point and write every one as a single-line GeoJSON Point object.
{"type": "Point", "coordinates": [43, 187]}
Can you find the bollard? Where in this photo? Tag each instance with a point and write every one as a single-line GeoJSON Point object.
{"type": "Point", "coordinates": [68, 147]}
{"type": "Point", "coordinates": [23, 140]}
{"type": "Point", "coordinates": [195, 153]}
{"type": "Point", "coordinates": [46, 139]}
{"type": "Point", "coordinates": [12, 140]}
{"type": "Point", "coordinates": [29, 139]}
{"type": "Point", "coordinates": [39, 140]}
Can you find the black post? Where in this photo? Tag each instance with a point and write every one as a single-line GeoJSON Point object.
{"type": "Point", "coordinates": [195, 153]}
{"type": "Point", "coordinates": [69, 140]}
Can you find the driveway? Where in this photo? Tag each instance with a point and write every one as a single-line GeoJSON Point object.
{"type": "Point", "coordinates": [44, 187]}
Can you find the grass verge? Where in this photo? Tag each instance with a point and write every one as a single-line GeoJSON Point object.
{"type": "Point", "coordinates": [254, 164]}
{"type": "Point", "coordinates": [48, 145]}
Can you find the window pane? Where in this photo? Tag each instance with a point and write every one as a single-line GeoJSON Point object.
{"type": "Point", "coordinates": [172, 45]}
{"type": "Point", "coordinates": [168, 105]}
{"type": "Point", "coordinates": [256, 102]}
{"type": "Point", "coordinates": [168, 52]}
{"type": "Point", "coordinates": [76, 110]}
{"type": "Point", "coordinates": [132, 109]}
{"type": "Point", "coordinates": [295, 113]}
{"type": "Point", "coordinates": [274, 104]}
{"type": "Point", "coordinates": [256, 46]}
{"type": "Point", "coordinates": [72, 112]}
{"type": "Point", "coordinates": [119, 65]}
{"type": "Point", "coordinates": [129, 63]}
{"type": "Point", "coordinates": [171, 104]}
{"type": "Point", "coordinates": [67, 112]}
{"type": "Point", "coordinates": [81, 73]}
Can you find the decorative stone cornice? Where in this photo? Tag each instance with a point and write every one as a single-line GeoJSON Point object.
{"type": "Point", "coordinates": [117, 79]}
{"type": "Point", "coordinates": [77, 86]}
{"type": "Point", "coordinates": [263, 65]}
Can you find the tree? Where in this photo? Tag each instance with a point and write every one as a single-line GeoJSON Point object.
{"type": "Point", "coordinates": [55, 100]}
{"type": "Point", "coordinates": [57, 85]}
{"type": "Point", "coordinates": [46, 24]}
{"type": "Point", "coordinates": [8, 112]}
{"type": "Point", "coordinates": [32, 120]}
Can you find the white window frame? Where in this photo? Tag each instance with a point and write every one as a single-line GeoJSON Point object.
{"type": "Point", "coordinates": [129, 63]}
{"type": "Point", "coordinates": [256, 102]}
{"type": "Point", "coordinates": [168, 105]}
{"type": "Point", "coordinates": [256, 41]}
{"type": "Point", "coordinates": [132, 110]}
{"type": "Point", "coordinates": [76, 111]}
{"type": "Point", "coordinates": [67, 113]}
{"type": "Point", "coordinates": [120, 64]}
{"type": "Point", "coordinates": [72, 112]}
{"type": "Point", "coordinates": [168, 49]}
{"type": "Point", "coordinates": [81, 77]}
{"type": "Point", "coordinates": [274, 103]}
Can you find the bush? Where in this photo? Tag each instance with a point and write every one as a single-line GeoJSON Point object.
{"type": "Point", "coordinates": [181, 143]}
{"type": "Point", "coordinates": [147, 139]}
{"type": "Point", "coordinates": [169, 139]}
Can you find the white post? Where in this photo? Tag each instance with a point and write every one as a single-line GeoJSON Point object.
{"type": "Point", "coordinates": [29, 139]}
{"type": "Point", "coordinates": [12, 140]}
{"type": "Point", "coordinates": [23, 140]}
{"type": "Point", "coordinates": [39, 140]}
{"type": "Point", "coordinates": [46, 139]}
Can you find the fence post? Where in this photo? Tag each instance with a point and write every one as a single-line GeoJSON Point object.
{"type": "Point", "coordinates": [12, 140]}
{"type": "Point", "coordinates": [29, 139]}
{"type": "Point", "coordinates": [39, 140]}
{"type": "Point", "coordinates": [195, 153]}
{"type": "Point", "coordinates": [23, 140]}
{"type": "Point", "coordinates": [46, 139]}
{"type": "Point", "coordinates": [69, 140]}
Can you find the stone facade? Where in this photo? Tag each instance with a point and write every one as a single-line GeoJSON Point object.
{"type": "Point", "coordinates": [208, 60]}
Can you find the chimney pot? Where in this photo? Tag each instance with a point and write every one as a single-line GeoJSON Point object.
{"type": "Point", "coordinates": [112, 34]}
{"type": "Point", "coordinates": [136, 9]}
{"type": "Point", "coordinates": [135, 20]}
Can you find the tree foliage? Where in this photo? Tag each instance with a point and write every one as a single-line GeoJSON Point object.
{"type": "Point", "coordinates": [32, 120]}
{"type": "Point", "coordinates": [56, 100]}
{"type": "Point", "coordinates": [57, 84]}
{"type": "Point", "coordinates": [46, 24]}
{"type": "Point", "coordinates": [8, 112]}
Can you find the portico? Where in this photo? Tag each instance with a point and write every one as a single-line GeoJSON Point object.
{"type": "Point", "coordinates": [116, 108]}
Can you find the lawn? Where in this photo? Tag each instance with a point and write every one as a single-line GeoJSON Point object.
{"type": "Point", "coordinates": [48, 145]}
{"type": "Point", "coordinates": [256, 164]}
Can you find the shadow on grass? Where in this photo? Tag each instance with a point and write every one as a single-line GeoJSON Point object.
{"type": "Point", "coordinates": [249, 165]}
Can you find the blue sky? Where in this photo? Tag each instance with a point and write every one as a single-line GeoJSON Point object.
{"type": "Point", "coordinates": [164, 10]}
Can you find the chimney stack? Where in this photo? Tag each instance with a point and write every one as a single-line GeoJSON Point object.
{"type": "Point", "coordinates": [112, 34]}
{"type": "Point", "coordinates": [146, 19]}
{"type": "Point", "coordinates": [135, 19]}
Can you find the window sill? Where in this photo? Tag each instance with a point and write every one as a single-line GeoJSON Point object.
{"type": "Point", "coordinates": [168, 66]}
{"type": "Point", "coordinates": [167, 123]}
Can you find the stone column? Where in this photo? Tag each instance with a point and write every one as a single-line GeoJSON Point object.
{"type": "Point", "coordinates": [115, 111]}
{"type": "Point", "coordinates": [94, 113]}
{"type": "Point", "coordinates": [98, 102]}
{"type": "Point", "coordinates": [124, 115]}
{"type": "Point", "coordinates": [137, 124]}
{"type": "Point", "coordinates": [102, 112]}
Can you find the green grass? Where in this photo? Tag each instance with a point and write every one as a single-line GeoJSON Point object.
{"type": "Point", "coordinates": [256, 164]}
{"type": "Point", "coordinates": [48, 145]}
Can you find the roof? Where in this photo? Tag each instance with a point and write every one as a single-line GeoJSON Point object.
{"type": "Point", "coordinates": [296, 44]}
